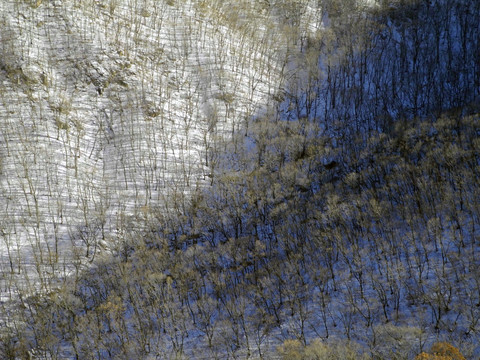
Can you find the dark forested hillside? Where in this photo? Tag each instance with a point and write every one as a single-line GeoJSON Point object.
{"type": "Point", "coordinates": [342, 222]}
{"type": "Point", "coordinates": [403, 60]}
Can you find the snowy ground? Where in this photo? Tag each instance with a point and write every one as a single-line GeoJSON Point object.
{"type": "Point", "coordinates": [110, 107]}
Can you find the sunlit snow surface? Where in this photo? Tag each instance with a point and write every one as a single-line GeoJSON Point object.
{"type": "Point", "coordinates": [110, 107]}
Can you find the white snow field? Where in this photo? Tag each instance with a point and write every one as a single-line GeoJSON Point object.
{"type": "Point", "coordinates": [109, 107]}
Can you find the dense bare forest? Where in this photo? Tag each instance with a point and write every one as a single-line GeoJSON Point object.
{"type": "Point", "coordinates": [240, 180]}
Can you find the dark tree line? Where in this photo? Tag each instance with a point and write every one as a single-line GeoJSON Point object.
{"type": "Point", "coordinates": [401, 60]}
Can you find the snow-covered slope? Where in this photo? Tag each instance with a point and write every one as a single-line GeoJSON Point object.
{"type": "Point", "coordinates": [109, 107]}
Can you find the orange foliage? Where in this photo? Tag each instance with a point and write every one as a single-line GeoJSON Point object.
{"type": "Point", "coordinates": [441, 351]}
